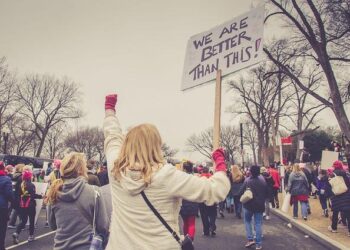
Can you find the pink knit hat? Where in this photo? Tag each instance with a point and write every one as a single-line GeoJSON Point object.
{"type": "Point", "coordinates": [57, 163]}
{"type": "Point", "coordinates": [330, 171]}
{"type": "Point", "coordinates": [338, 165]}
{"type": "Point", "coordinates": [27, 175]}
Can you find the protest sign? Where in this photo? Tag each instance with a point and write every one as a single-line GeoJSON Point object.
{"type": "Point", "coordinates": [40, 188]}
{"type": "Point", "coordinates": [228, 47]}
{"type": "Point", "coordinates": [328, 157]}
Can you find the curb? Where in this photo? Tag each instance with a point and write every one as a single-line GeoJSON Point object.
{"type": "Point", "coordinates": [316, 235]}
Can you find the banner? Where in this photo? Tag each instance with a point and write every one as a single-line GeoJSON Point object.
{"type": "Point", "coordinates": [286, 140]}
{"type": "Point", "coordinates": [231, 46]}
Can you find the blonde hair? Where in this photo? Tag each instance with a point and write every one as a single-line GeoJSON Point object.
{"type": "Point", "coordinates": [73, 165]}
{"type": "Point", "coordinates": [141, 151]}
{"type": "Point", "coordinates": [237, 175]}
{"type": "Point", "coordinates": [296, 168]}
{"type": "Point", "coordinates": [19, 167]}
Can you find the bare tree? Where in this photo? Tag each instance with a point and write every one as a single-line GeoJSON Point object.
{"type": "Point", "coordinates": [21, 136]}
{"type": "Point", "coordinates": [318, 38]}
{"type": "Point", "coordinates": [260, 102]}
{"type": "Point", "coordinates": [46, 102]}
{"type": "Point", "coordinates": [250, 138]}
{"type": "Point", "coordinates": [54, 146]}
{"type": "Point", "coordinates": [7, 100]}
{"type": "Point", "coordinates": [88, 141]}
{"type": "Point", "coordinates": [168, 152]}
{"type": "Point", "coordinates": [203, 142]}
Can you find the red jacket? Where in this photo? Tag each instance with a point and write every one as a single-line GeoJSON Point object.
{"type": "Point", "coordinates": [276, 177]}
{"type": "Point", "coordinates": [208, 175]}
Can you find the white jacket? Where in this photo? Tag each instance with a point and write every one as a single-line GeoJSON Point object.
{"type": "Point", "coordinates": [133, 224]}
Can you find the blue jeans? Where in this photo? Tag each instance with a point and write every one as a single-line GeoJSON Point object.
{"type": "Point", "coordinates": [248, 221]}
{"type": "Point", "coordinates": [303, 205]}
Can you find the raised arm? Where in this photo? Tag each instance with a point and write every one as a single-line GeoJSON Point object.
{"type": "Point", "coordinates": [200, 189]}
{"type": "Point", "coordinates": [112, 131]}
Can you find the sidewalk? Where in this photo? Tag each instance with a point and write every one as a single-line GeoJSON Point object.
{"type": "Point", "coordinates": [320, 223]}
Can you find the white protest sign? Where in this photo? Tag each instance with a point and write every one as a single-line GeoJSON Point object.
{"type": "Point", "coordinates": [230, 47]}
{"type": "Point", "coordinates": [328, 157]}
{"type": "Point", "coordinates": [40, 188]}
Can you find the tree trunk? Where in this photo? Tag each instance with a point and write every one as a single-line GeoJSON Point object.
{"type": "Point", "coordinates": [41, 144]}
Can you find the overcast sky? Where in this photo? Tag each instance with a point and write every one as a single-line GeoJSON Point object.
{"type": "Point", "coordinates": [133, 47]}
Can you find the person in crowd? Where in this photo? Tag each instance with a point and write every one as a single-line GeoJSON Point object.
{"type": "Point", "coordinates": [321, 184]}
{"type": "Point", "coordinates": [341, 202]}
{"type": "Point", "coordinates": [137, 167]}
{"type": "Point", "coordinates": [208, 212]}
{"type": "Point", "coordinates": [237, 182]}
{"type": "Point", "coordinates": [27, 206]}
{"type": "Point", "coordinates": [270, 191]}
{"type": "Point", "coordinates": [255, 207]}
{"type": "Point", "coordinates": [6, 197]}
{"type": "Point", "coordinates": [298, 187]}
{"type": "Point", "coordinates": [72, 203]}
{"type": "Point", "coordinates": [92, 178]}
{"type": "Point", "coordinates": [189, 209]}
{"type": "Point", "coordinates": [103, 175]}
{"type": "Point", "coordinates": [55, 173]}
{"type": "Point", "coordinates": [310, 180]}
{"type": "Point", "coordinates": [49, 169]}
{"type": "Point", "coordinates": [9, 171]}
{"type": "Point", "coordinates": [41, 176]}
{"type": "Point", "coordinates": [229, 199]}
{"type": "Point", "coordinates": [277, 180]}
{"type": "Point", "coordinates": [16, 181]}
{"type": "Point", "coordinates": [288, 171]}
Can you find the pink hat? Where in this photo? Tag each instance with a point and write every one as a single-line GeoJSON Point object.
{"type": "Point", "coordinates": [338, 165]}
{"type": "Point", "coordinates": [27, 175]}
{"type": "Point", "coordinates": [330, 171]}
{"type": "Point", "coordinates": [57, 163]}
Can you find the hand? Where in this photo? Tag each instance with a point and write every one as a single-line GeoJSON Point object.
{"type": "Point", "coordinates": [219, 159]}
{"type": "Point", "coordinates": [110, 102]}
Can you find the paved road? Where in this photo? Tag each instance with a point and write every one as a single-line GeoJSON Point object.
{"type": "Point", "coordinates": [230, 235]}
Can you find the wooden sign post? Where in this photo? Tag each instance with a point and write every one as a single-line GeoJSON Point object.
{"type": "Point", "coordinates": [217, 112]}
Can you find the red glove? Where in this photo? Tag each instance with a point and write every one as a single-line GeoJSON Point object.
{"type": "Point", "coordinates": [219, 159]}
{"type": "Point", "coordinates": [111, 101]}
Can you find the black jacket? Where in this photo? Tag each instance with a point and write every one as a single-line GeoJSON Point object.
{"type": "Point", "coordinates": [6, 194]}
{"type": "Point", "coordinates": [340, 202]}
{"type": "Point", "coordinates": [189, 208]}
{"type": "Point", "coordinates": [269, 182]}
{"type": "Point", "coordinates": [30, 188]}
{"type": "Point", "coordinates": [103, 178]}
{"type": "Point", "coordinates": [260, 193]}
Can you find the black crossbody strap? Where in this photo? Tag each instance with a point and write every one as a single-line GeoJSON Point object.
{"type": "Point", "coordinates": [149, 204]}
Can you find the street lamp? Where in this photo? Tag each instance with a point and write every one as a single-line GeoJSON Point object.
{"type": "Point", "coordinates": [5, 136]}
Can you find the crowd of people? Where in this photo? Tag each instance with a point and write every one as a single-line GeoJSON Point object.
{"type": "Point", "coordinates": [135, 200]}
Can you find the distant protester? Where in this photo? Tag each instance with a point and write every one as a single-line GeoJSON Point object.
{"type": "Point", "coordinates": [27, 205]}
{"type": "Point", "coordinates": [92, 178]}
{"type": "Point", "coordinates": [139, 176]}
{"type": "Point", "coordinates": [254, 208]}
{"type": "Point", "coordinates": [6, 197]}
{"type": "Point", "coordinates": [72, 203]}
{"type": "Point", "coordinates": [237, 183]}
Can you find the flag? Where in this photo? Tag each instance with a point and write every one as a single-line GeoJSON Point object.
{"type": "Point", "coordinates": [286, 140]}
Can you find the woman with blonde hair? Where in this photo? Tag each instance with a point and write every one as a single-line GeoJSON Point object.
{"type": "Point", "coordinates": [237, 183]}
{"type": "Point", "coordinates": [140, 179]}
{"type": "Point", "coordinates": [72, 204]}
{"type": "Point", "coordinates": [298, 187]}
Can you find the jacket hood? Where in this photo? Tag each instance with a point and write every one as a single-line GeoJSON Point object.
{"type": "Point", "coordinates": [72, 189]}
{"type": "Point", "coordinates": [132, 182]}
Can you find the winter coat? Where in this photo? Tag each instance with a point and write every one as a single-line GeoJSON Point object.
{"type": "Point", "coordinates": [134, 226]}
{"type": "Point", "coordinates": [276, 177]}
{"type": "Point", "coordinates": [103, 178]}
{"type": "Point", "coordinates": [236, 187]}
{"type": "Point", "coordinates": [270, 185]}
{"type": "Point", "coordinates": [321, 184]}
{"type": "Point", "coordinates": [31, 190]}
{"type": "Point", "coordinates": [298, 184]}
{"type": "Point", "coordinates": [189, 208]}
{"type": "Point", "coordinates": [340, 202]}
{"type": "Point", "coordinates": [93, 179]}
{"type": "Point", "coordinates": [258, 187]}
{"type": "Point", "coordinates": [72, 215]}
{"type": "Point", "coordinates": [6, 193]}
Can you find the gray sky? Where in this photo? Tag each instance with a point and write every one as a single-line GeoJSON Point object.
{"type": "Point", "coordinates": [135, 48]}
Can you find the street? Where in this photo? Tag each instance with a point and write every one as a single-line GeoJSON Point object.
{"type": "Point", "coordinates": [230, 235]}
